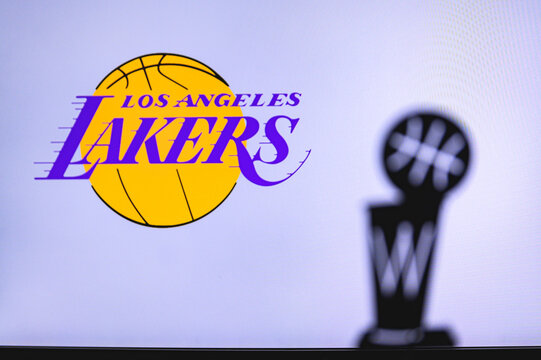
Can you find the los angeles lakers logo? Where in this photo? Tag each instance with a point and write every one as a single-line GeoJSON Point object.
{"type": "Point", "coordinates": [163, 140]}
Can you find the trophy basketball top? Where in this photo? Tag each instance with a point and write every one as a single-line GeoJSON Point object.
{"type": "Point", "coordinates": [426, 153]}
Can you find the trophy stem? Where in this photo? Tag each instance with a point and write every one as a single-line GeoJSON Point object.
{"type": "Point", "coordinates": [402, 246]}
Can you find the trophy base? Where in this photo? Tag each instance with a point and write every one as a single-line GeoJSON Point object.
{"type": "Point", "coordinates": [385, 339]}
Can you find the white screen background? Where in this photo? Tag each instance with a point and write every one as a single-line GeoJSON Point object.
{"type": "Point", "coordinates": [285, 266]}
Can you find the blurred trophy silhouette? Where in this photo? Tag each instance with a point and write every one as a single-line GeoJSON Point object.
{"type": "Point", "coordinates": [425, 155]}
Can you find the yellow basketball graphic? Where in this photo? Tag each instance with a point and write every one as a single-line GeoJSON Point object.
{"type": "Point", "coordinates": [162, 194]}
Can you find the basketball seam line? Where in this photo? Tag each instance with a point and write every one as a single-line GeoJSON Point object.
{"type": "Point", "coordinates": [162, 226]}
{"type": "Point", "coordinates": [145, 71]}
{"type": "Point", "coordinates": [124, 75]}
{"type": "Point", "coordinates": [167, 77]}
{"type": "Point", "coordinates": [171, 54]}
{"type": "Point", "coordinates": [123, 187]}
{"type": "Point", "coordinates": [156, 65]}
{"type": "Point", "coordinates": [185, 196]}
